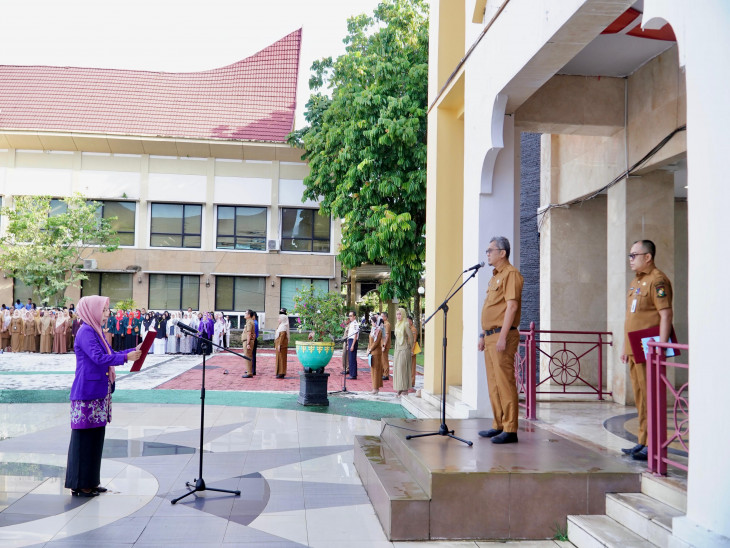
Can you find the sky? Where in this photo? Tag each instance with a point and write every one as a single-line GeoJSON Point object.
{"type": "Point", "coordinates": [171, 35]}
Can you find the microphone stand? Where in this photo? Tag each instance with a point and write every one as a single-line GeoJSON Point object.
{"type": "Point", "coordinates": [443, 429]}
{"type": "Point", "coordinates": [198, 484]}
{"type": "Point", "coordinates": [347, 370]}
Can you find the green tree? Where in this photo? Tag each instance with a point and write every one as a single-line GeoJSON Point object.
{"type": "Point", "coordinates": [366, 141]}
{"type": "Point", "coordinates": [46, 251]}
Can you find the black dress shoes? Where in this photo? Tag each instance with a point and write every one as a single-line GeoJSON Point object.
{"type": "Point", "coordinates": [80, 493]}
{"type": "Point", "coordinates": [246, 376]}
{"type": "Point", "coordinates": [505, 437]}
{"type": "Point", "coordinates": [643, 454]}
{"type": "Point", "coordinates": [386, 378]}
{"type": "Point", "coordinates": [489, 433]}
{"type": "Point", "coordinates": [631, 450]}
{"type": "Point", "coordinates": [101, 489]}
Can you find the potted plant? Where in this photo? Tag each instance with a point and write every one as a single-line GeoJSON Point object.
{"type": "Point", "coordinates": [320, 314]}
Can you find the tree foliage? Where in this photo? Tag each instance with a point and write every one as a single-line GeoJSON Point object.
{"type": "Point", "coordinates": [46, 251]}
{"type": "Point", "coordinates": [366, 143]}
{"type": "Point", "coordinates": [321, 313]}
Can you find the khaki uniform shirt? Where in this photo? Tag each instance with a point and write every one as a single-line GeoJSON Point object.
{"type": "Point", "coordinates": [505, 285]}
{"type": "Point", "coordinates": [648, 294]}
{"type": "Point", "coordinates": [386, 337]}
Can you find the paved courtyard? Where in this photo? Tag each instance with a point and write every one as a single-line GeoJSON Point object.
{"type": "Point", "coordinates": [293, 465]}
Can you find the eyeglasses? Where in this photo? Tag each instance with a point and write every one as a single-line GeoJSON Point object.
{"type": "Point", "coordinates": [633, 256]}
{"type": "Point", "coordinates": [492, 249]}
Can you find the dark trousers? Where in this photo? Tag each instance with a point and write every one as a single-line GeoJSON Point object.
{"type": "Point", "coordinates": [352, 357]}
{"type": "Point", "coordinates": [253, 357]}
{"type": "Point", "coordinates": [83, 468]}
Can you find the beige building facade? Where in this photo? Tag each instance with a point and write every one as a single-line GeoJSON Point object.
{"type": "Point", "coordinates": [195, 168]}
{"type": "Point", "coordinates": [631, 102]}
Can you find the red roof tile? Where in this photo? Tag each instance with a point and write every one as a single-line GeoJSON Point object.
{"type": "Point", "coordinates": [251, 100]}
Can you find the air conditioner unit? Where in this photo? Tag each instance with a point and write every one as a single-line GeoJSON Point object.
{"type": "Point", "coordinates": [273, 245]}
{"type": "Point", "coordinates": [89, 264]}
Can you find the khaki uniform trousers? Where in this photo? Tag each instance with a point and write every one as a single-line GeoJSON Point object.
{"type": "Point", "coordinates": [386, 361]}
{"type": "Point", "coordinates": [501, 381]}
{"type": "Point", "coordinates": [638, 381]}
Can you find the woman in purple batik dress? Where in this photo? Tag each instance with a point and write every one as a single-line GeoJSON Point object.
{"type": "Point", "coordinates": [91, 399]}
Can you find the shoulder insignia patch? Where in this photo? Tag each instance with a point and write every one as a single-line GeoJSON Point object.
{"type": "Point", "coordinates": [660, 291]}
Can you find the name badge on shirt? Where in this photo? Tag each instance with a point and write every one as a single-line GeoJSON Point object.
{"type": "Point", "coordinates": [633, 306]}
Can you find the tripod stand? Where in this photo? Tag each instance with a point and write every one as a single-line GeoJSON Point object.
{"type": "Point", "coordinates": [198, 484]}
{"type": "Point", "coordinates": [443, 429]}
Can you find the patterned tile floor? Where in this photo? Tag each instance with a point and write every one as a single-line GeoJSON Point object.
{"type": "Point", "coordinates": [294, 467]}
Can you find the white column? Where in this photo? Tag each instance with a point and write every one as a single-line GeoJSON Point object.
{"type": "Point", "coordinates": [491, 208]}
{"type": "Point", "coordinates": [701, 28]}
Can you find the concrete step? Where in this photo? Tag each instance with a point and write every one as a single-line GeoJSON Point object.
{"type": "Point", "coordinates": [398, 500]}
{"type": "Point", "coordinates": [420, 407]}
{"type": "Point", "coordinates": [645, 516]}
{"type": "Point", "coordinates": [455, 408]}
{"type": "Point", "coordinates": [602, 531]}
{"type": "Point", "coordinates": [670, 491]}
{"type": "Point", "coordinates": [456, 391]}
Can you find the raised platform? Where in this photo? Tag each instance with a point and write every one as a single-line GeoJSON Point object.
{"type": "Point", "coordinates": [440, 488]}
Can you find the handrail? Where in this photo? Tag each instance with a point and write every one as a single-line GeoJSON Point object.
{"type": "Point", "coordinates": [564, 367]}
{"type": "Point", "coordinates": [657, 384]}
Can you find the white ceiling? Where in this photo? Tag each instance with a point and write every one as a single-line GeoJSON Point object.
{"type": "Point", "coordinates": [617, 54]}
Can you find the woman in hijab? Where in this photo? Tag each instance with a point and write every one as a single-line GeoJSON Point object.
{"type": "Point", "coordinates": [161, 336]}
{"type": "Point", "coordinates": [219, 331]}
{"type": "Point", "coordinates": [46, 333]}
{"type": "Point", "coordinates": [117, 330]}
{"type": "Point", "coordinates": [91, 397]}
{"type": "Point", "coordinates": [402, 354]}
{"type": "Point", "coordinates": [29, 332]}
{"type": "Point", "coordinates": [5, 329]}
{"type": "Point", "coordinates": [375, 351]}
{"type": "Point", "coordinates": [185, 340]}
{"type": "Point", "coordinates": [281, 344]}
{"type": "Point", "coordinates": [205, 329]}
{"type": "Point", "coordinates": [171, 336]}
{"type": "Point", "coordinates": [59, 333]}
{"type": "Point", "coordinates": [16, 332]}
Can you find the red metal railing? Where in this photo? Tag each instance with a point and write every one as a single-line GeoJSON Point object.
{"type": "Point", "coordinates": [657, 384]}
{"type": "Point", "coordinates": [564, 366]}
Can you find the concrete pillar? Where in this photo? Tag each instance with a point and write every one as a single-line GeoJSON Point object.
{"type": "Point", "coordinates": [573, 278]}
{"type": "Point", "coordinates": [642, 208]}
{"type": "Point", "coordinates": [444, 240]}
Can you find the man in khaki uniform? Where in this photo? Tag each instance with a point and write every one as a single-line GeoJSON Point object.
{"type": "Point", "coordinates": [499, 340]}
{"type": "Point", "coordinates": [648, 304]}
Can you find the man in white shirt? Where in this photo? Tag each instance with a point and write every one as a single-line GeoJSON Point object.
{"type": "Point", "coordinates": [353, 333]}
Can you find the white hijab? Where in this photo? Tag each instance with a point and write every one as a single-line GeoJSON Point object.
{"type": "Point", "coordinates": [283, 325]}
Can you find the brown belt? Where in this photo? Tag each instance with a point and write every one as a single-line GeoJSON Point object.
{"type": "Point", "coordinates": [496, 330]}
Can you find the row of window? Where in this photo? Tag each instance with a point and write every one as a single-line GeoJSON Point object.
{"type": "Point", "coordinates": [179, 291]}
{"type": "Point", "coordinates": [238, 227]}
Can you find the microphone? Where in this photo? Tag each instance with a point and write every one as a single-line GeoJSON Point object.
{"type": "Point", "coordinates": [475, 267]}
{"type": "Point", "coordinates": [186, 328]}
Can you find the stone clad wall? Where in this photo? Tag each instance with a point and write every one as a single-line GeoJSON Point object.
{"type": "Point", "coordinates": [529, 236]}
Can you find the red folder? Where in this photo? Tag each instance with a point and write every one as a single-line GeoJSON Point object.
{"type": "Point", "coordinates": [146, 344]}
{"type": "Point", "coordinates": [637, 348]}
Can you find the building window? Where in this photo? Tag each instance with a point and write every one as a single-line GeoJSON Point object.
{"type": "Point", "coordinates": [239, 293]}
{"type": "Point", "coordinates": [58, 207]}
{"type": "Point", "coordinates": [23, 292]}
{"type": "Point", "coordinates": [173, 292]}
{"type": "Point", "coordinates": [241, 228]}
{"type": "Point", "coordinates": [289, 288]}
{"type": "Point", "coordinates": [304, 230]}
{"type": "Point", "coordinates": [176, 225]}
{"type": "Point", "coordinates": [124, 223]}
{"type": "Point", "coordinates": [115, 285]}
